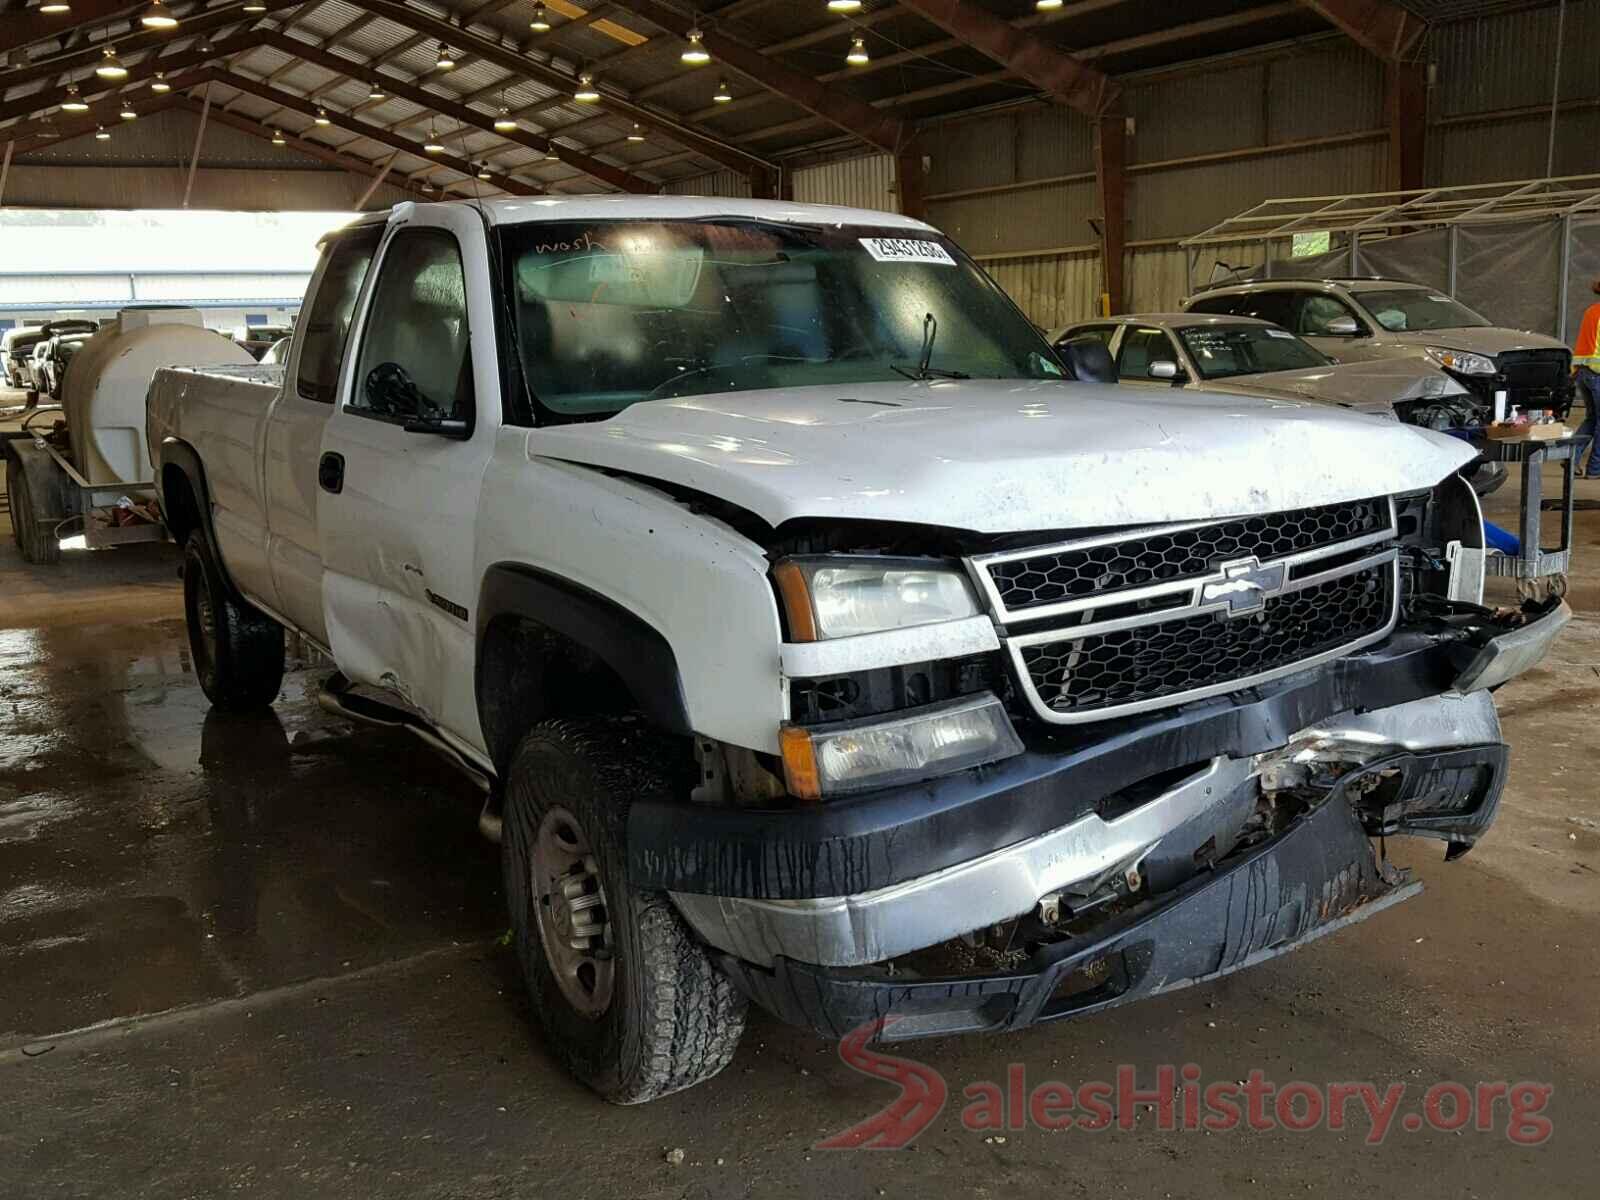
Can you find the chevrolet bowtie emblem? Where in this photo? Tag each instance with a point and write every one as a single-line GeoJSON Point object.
{"type": "Point", "coordinates": [1245, 585]}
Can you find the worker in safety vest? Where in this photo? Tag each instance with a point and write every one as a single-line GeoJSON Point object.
{"type": "Point", "coordinates": [1586, 363]}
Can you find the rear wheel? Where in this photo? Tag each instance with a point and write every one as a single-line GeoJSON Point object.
{"type": "Point", "coordinates": [237, 651]}
{"type": "Point", "coordinates": [38, 544]}
{"type": "Point", "coordinates": [627, 999]}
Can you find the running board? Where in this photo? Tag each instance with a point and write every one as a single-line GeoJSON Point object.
{"type": "Point", "coordinates": [336, 696]}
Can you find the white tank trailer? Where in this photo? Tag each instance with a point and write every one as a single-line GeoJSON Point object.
{"type": "Point", "coordinates": [90, 472]}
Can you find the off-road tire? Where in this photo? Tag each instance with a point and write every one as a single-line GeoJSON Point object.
{"type": "Point", "coordinates": [240, 664]}
{"type": "Point", "coordinates": [39, 546]}
{"type": "Point", "coordinates": [673, 1019]}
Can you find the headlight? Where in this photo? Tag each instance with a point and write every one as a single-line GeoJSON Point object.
{"type": "Point", "coordinates": [922, 743]}
{"type": "Point", "coordinates": [843, 597]}
{"type": "Point", "coordinates": [1462, 361]}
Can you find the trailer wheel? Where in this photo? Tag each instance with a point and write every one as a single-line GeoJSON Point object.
{"type": "Point", "coordinates": [627, 999]}
{"type": "Point", "coordinates": [237, 651]}
{"type": "Point", "coordinates": [38, 545]}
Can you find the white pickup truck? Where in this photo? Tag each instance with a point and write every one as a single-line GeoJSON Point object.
{"type": "Point", "coordinates": [817, 641]}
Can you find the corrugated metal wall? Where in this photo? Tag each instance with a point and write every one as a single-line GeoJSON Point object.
{"type": "Point", "coordinates": [1016, 188]}
{"type": "Point", "coordinates": [866, 182]}
{"type": "Point", "coordinates": [719, 183]}
{"type": "Point", "coordinates": [1505, 66]}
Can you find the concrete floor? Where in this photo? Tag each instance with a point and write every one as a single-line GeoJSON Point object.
{"type": "Point", "coordinates": [262, 957]}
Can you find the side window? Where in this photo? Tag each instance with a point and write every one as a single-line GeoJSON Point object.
{"type": "Point", "coordinates": [325, 331]}
{"type": "Point", "coordinates": [1316, 312]}
{"type": "Point", "coordinates": [1226, 306]}
{"type": "Point", "coordinates": [1140, 348]}
{"type": "Point", "coordinates": [1274, 306]}
{"type": "Point", "coordinates": [1100, 333]}
{"type": "Point", "coordinates": [415, 359]}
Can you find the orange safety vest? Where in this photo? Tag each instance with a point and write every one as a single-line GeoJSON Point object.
{"type": "Point", "coordinates": [1586, 350]}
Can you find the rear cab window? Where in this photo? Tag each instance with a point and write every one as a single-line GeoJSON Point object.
{"type": "Point", "coordinates": [325, 331]}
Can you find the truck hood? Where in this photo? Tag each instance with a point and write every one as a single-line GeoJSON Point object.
{"type": "Point", "coordinates": [1490, 340]}
{"type": "Point", "coordinates": [1003, 456]}
{"type": "Point", "coordinates": [1373, 386]}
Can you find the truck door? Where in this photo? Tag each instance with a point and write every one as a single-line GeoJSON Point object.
{"type": "Point", "coordinates": [295, 427]}
{"type": "Point", "coordinates": [402, 460]}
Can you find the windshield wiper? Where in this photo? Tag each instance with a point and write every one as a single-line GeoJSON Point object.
{"type": "Point", "coordinates": [930, 330]}
{"type": "Point", "coordinates": [922, 374]}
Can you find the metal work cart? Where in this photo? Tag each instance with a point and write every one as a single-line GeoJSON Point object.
{"type": "Point", "coordinates": [1539, 573]}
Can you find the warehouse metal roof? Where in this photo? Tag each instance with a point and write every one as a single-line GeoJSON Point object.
{"type": "Point", "coordinates": [360, 85]}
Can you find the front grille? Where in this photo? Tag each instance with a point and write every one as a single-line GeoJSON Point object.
{"type": "Point", "coordinates": [1126, 622]}
{"type": "Point", "coordinates": [1132, 561]}
{"type": "Point", "coordinates": [1193, 654]}
{"type": "Point", "coordinates": [1531, 379]}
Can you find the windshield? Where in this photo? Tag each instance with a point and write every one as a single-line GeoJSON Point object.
{"type": "Point", "coordinates": [608, 314]}
{"type": "Point", "coordinates": [1220, 351]}
{"type": "Point", "coordinates": [1411, 309]}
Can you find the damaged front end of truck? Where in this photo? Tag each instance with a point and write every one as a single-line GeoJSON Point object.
{"type": "Point", "coordinates": [1153, 756]}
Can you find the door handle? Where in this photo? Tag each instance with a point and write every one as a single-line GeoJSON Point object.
{"type": "Point", "coordinates": [330, 472]}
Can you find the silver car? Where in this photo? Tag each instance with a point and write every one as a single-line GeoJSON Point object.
{"type": "Point", "coordinates": [1362, 319]}
{"type": "Point", "coordinates": [1249, 356]}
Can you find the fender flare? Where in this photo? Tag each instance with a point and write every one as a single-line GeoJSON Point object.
{"type": "Point", "coordinates": [630, 646]}
{"type": "Point", "coordinates": [180, 454]}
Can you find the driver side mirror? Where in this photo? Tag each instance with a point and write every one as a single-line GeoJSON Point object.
{"type": "Point", "coordinates": [1342, 327]}
{"type": "Point", "coordinates": [1164, 368]}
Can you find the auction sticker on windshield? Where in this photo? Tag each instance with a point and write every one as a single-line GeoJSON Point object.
{"type": "Point", "coordinates": [908, 250]}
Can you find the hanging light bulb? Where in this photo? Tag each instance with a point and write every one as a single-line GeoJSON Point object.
{"type": "Point", "coordinates": [844, 6]}
{"type": "Point", "coordinates": [74, 102]}
{"type": "Point", "coordinates": [484, 173]}
{"type": "Point", "coordinates": [158, 16]}
{"type": "Point", "coordinates": [111, 66]}
{"type": "Point", "coordinates": [858, 56]}
{"type": "Point", "coordinates": [585, 92]}
{"type": "Point", "coordinates": [1047, 5]}
{"type": "Point", "coordinates": [636, 134]}
{"type": "Point", "coordinates": [100, 134]}
{"type": "Point", "coordinates": [433, 146]}
{"type": "Point", "coordinates": [278, 139]}
{"type": "Point", "coordinates": [47, 127]}
{"type": "Point", "coordinates": [322, 117]}
{"type": "Point", "coordinates": [447, 61]}
{"type": "Point", "coordinates": [723, 94]}
{"type": "Point", "coordinates": [695, 54]}
{"type": "Point", "coordinates": [541, 20]}
{"type": "Point", "coordinates": [376, 92]}
{"type": "Point", "coordinates": [550, 154]}
{"type": "Point", "coordinates": [254, 6]}
{"type": "Point", "coordinates": [159, 83]}
{"type": "Point", "coordinates": [505, 122]}
{"type": "Point", "coordinates": [55, 6]}
{"type": "Point", "coordinates": [127, 113]}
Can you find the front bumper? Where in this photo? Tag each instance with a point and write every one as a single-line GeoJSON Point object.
{"type": "Point", "coordinates": [1317, 876]}
{"type": "Point", "coordinates": [1156, 837]}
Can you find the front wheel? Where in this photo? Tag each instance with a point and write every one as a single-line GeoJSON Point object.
{"type": "Point", "coordinates": [237, 651]}
{"type": "Point", "coordinates": [627, 999]}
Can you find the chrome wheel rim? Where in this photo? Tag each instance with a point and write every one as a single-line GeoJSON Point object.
{"type": "Point", "coordinates": [569, 901]}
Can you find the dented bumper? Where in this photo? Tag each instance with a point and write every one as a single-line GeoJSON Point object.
{"type": "Point", "coordinates": [1314, 878]}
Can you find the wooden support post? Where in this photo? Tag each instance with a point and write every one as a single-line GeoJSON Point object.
{"type": "Point", "coordinates": [911, 182]}
{"type": "Point", "coordinates": [1407, 113]}
{"type": "Point", "coordinates": [194, 159]}
{"type": "Point", "coordinates": [1111, 181]}
{"type": "Point", "coordinates": [5, 169]}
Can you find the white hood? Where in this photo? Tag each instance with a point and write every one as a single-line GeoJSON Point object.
{"type": "Point", "coordinates": [1003, 457]}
